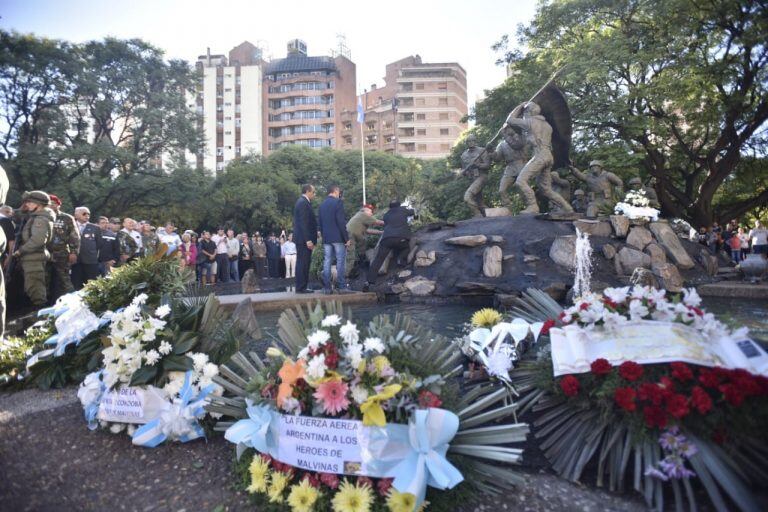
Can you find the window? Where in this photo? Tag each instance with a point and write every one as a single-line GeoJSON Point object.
{"type": "Point", "coordinates": [444, 131]}
{"type": "Point", "coordinates": [228, 132]}
{"type": "Point", "coordinates": [420, 87]}
{"type": "Point", "coordinates": [371, 126]}
{"type": "Point", "coordinates": [421, 102]}
{"type": "Point", "coordinates": [228, 89]}
{"type": "Point", "coordinates": [442, 86]}
{"type": "Point", "coordinates": [421, 117]}
{"type": "Point", "coordinates": [220, 166]}
{"type": "Point", "coordinates": [445, 147]}
{"type": "Point", "coordinates": [227, 118]}
{"type": "Point", "coordinates": [422, 147]}
{"type": "Point", "coordinates": [443, 116]}
{"type": "Point", "coordinates": [421, 131]}
{"type": "Point", "coordinates": [442, 101]}
{"type": "Point", "coordinates": [219, 151]}
{"type": "Point", "coordinates": [347, 126]}
{"type": "Point", "coordinates": [347, 139]}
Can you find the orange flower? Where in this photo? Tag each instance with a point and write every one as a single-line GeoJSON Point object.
{"type": "Point", "coordinates": [289, 374]}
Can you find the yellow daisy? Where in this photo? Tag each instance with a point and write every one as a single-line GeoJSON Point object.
{"type": "Point", "coordinates": [352, 498]}
{"type": "Point", "coordinates": [259, 475]}
{"type": "Point", "coordinates": [486, 317]}
{"type": "Point", "coordinates": [277, 485]}
{"type": "Point", "coordinates": [302, 497]}
{"type": "Point", "coordinates": [401, 501]}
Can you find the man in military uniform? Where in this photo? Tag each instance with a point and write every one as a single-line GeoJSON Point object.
{"type": "Point", "coordinates": [358, 227]}
{"type": "Point", "coordinates": [637, 184]}
{"type": "Point", "coordinates": [32, 251]}
{"type": "Point", "coordinates": [475, 163]}
{"type": "Point", "coordinates": [579, 202]}
{"type": "Point", "coordinates": [64, 248]}
{"type": "Point", "coordinates": [538, 132]}
{"type": "Point", "coordinates": [128, 245]}
{"type": "Point", "coordinates": [600, 184]}
{"type": "Point", "coordinates": [511, 151]}
{"type": "Point", "coordinates": [87, 266]}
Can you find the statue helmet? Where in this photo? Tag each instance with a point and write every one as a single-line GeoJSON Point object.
{"type": "Point", "coordinates": [578, 192]}
{"type": "Point", "coordinates": [596, 163]}
{"type": "Point", "coordinates": [635, 181]}
{"type": "Point", "coordinates": [532, 108]}
{"type": "Point", "coordinates": [37, 196]}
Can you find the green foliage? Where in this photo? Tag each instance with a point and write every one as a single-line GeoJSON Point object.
{"type": "Point", "coordinates": [674, 89]}
{"type": "Point", "coordinates": [15, 351]}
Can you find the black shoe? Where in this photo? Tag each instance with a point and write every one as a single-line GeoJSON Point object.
{"type": "Point", "coordinates": [305, 291]}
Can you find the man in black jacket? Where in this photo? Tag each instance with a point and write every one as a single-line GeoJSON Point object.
{"type": "Point", "coordinates": [333, 228]}
{"type": "Point", "coordinates": [273, 255]}
{"type": "Point", "coordinates": [305, 236]}
{"type": "Point", "coordinates": [87, 266]}
{"type": "Point", "coordinates": [109, 252]}
{"type": "Point", "coordinates": [396, 238]}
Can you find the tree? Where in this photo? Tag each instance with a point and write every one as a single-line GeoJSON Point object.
{"type": "Point", "coordinates": [677, 87]}
{"type": "Point", "coordinates": [84, 120]}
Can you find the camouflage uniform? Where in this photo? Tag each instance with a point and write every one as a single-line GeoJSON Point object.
{"type": "Point", "coordinates": [33, 253]}
{"type": "Point", "coordinates": [127, 245]}
{"type": "Point", "coordinates": [66, 241]}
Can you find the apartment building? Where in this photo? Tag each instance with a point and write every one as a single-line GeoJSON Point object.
{"type": "Point", "coordinates": [417, 113]}
{"type": "Point", "coordinates": [304, 97]}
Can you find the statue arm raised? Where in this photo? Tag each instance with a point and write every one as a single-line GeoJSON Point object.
{"type": "Point", "coordinates": [580, 175]}
{"type": "Point", "coordinates": [615, 180]}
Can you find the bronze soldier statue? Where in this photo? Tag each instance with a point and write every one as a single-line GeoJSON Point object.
{"type": "Point", "coordinates": [600, 184]}
{"type": "Point", "coordinates": [511, 151]}
{"type": "Point", "coordinates": [579, 202]}
{"type": "Point", "coordinates": [562, 186]}
{"type": "Point", "coordinates": [475, 162]}
{"type": "Point", "coordinates": [637, 184]}
{"type": "Point", "coordinates": [527, 117]}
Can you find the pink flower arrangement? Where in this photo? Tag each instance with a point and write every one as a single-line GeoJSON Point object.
{"type": "Point", "coordinates": [332, 396]}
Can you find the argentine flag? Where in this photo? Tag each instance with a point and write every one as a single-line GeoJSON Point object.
{"type": "Point", "coordinates": [360, 112]}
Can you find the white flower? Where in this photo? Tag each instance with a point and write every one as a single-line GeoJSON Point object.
{"type": "Point", "coordinates": [374, 345]}
{"type": "Point", "coordinates": [165, 348]}
{"type": "Point", "coordinates": [658, 296]}
{"type": "Point", "coordinates": [354, 354]}
{"type": "Point", "coordinates": [151, 357]}
{"type": "Point", "coordinates": [349, 333]}
{"type": "Point", "coordinates": [639, 292]}
{"type": "Point", "coordinates": [331, 321]}
{"type": "Point", "coordinates": [163, 311]}
{"type": "Point", "coordinates": [303, 353]}
{"type": "Point", "coordinates": [317, 338]}
{"type": "Point", "coordinates": [617, 295]}
{"type": "Point", "coordinates": [210, 370]}
{"type": "Point", "coordinates": [316, 368]}
{"type": "Point", "coordinates": [139, 299]}
{"type": "Point", "coordinates": [594, 313]}
{"type": "Point", "coordinates": [613, 320]}
{"type": "Point", "coordinates": [291, 406]}
{"type": "Point", "coordinates": [637, 311]}
{"type": "Point", "coordinates": [199, 359]}
{"type": "Point", "coordinates": [116, 428]}
{"type": "Point", "coordinates": [691, 297]}
{"type": "Point", "coordinates": [149, 335]}
{"type": "Point", "coordinates": [567, 318]}
{"type": "Point", "coordinates": [359, 394]}
{"type": "Point", "coordinates": [274, 352]}
{"type": "Point", "coordinates": [90, 390]}
{"type": "Point", "coordinates": [664, 312]}
{"type": "Point", "coordinates": [130, 429]}
{"type": "Point", "coordinates": [499, 364]}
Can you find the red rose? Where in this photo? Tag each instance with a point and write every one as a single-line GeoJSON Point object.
{"type": "Point", "coordinates": [701, 400]}
{"type": "Point", "coordinates": [546, 327]}
{"type": "Point", "coordinates": [625, 398]}
{"type": "Point", "coordinates": [561, 316]}
{"type": "Point", "coordinates": [312, 479]}
{"type": "Point", "coordinates": [681, 371]}
{"type": "Point", "coordinates": [649, 392]}
{"type": "Point", "coordinates": [667, 386]}
{"type": "Point", "coordinates": [630, 371]}
{"type": "Point", "coordinates": [747, 384]}
{"type": "Point", "coordinates": [677, 406]}
{"type": "Point", "coordinates": [570, 385]}
{"type": "Point", "coordinates": [600, 367]}
{"type": "Point", "coordinates": [365, 481]}
{"type": "Point", "coordinates": [383, 486]}
{"type": "Point", "coordinates": [429, 399]}
{"type": "Point", "coordinates": [709, 378]}
{"type": "Point", "coordinates": [732, 394]}
{"type": "Point", "coordinates": [696, 310]}
{"type": "Point", "coordinates": [584, 306]}
{"type": "Point", "coordinates": [655, 416]}
{"type": "Point", "coordinates": [330, 480]}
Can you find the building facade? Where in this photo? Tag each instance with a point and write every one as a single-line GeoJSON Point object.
{"type": "Point", "coordinates": [418, 113]}
{"type": "Point", "coordinates": [229, 105]}
{"type": "Point", "coordinates": [304, 97]}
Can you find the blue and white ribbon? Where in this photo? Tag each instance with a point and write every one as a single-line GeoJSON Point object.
{"type": "Point", "coordinates": [258, 431]}
{"type": "Point", "coordinates": [90, 392]}
{"type": "Point", "coordinates": [178, 420]}
{"type": "Point", "coordinates": [429, 433]}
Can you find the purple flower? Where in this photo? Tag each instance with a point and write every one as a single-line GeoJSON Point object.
{"type": "Point", "coordinates": [668, 440]}
{"type": "Point", "coordinates": [655, 473]}
{"type": "Point", "coordinates": [674, 467]}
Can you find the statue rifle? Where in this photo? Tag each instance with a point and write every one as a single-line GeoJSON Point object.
{"type": "Point", "coordinates": [554, 75]}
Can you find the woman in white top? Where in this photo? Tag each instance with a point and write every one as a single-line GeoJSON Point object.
{"type": "Point", "coordinates": [744, 238]}
{"type": "Point", "coordinates": [289, 251]}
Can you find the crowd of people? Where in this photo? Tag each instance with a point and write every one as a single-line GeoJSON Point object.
{"type": "Point", "coordinates": [53, 252]}
{"type": "Point", "coordinates": [736, 241]}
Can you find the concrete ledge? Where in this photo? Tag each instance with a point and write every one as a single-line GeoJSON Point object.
{"type": "Point", "coordinates": [734, 289]}
{"type": "Point", "coordinates": [284, 300]}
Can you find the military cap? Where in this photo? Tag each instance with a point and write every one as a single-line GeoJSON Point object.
{"type": "Point", "coordinates": [114, 220]}
{"type": "Point", "coordinates": [597, 163]}
{"type": "Point", "coordinates": [37, 196]}
{"type": "Point", "coordinates": [635, 180]}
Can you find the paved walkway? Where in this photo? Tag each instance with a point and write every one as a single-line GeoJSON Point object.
{"type": "Point", "coordinates": [282, 300]}
{"type": "Point", "coordinates": [50, 461]}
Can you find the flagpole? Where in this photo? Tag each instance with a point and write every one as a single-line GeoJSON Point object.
{"type": "Point", "coordinates": [361, 121]}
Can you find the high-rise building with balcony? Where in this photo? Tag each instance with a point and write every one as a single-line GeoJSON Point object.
{"type": "Point", "coordinates": [304, 98]}
{"type": "Point", "coordinates": [229, 105]}
{"type": "Point", "coordinates": [418, 113]}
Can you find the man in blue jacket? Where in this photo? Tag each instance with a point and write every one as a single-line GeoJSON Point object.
{"type": "Point", "coordinates": [333, 228]}
{"type": "Point", "coordinates": [305, 236]}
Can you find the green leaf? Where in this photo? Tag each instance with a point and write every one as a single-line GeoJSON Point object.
{"type": "Point", "coordinates": [177, 363]}
{"type": "Point", "coordinates": [143, 375]}
{"type": "Point", "coordinates": [185, 345]}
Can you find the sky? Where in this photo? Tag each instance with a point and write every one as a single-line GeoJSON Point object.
{"type": "Point", "coordinates": [377, 33]}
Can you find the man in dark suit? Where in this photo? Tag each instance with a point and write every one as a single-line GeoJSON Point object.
{"type": "Point", "coordinates": [305, 236]}
{"type": "Point", "coordinates": [333, 228]}
{"type": "Point", "coordinates": [87, 266]}
{"type": "Point", "coordinates": [273, 255]}
{"type": "Point", "coordinates": [395, 239]}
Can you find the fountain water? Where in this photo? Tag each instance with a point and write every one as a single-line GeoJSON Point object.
{"type": "Point", "coordinates": [583, 264]}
